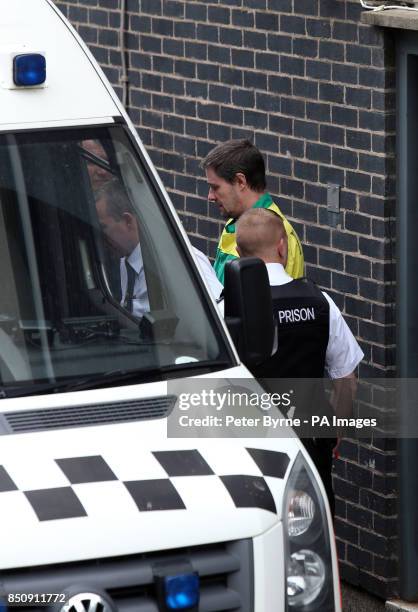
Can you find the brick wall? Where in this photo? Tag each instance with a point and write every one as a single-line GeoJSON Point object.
{"type": "Point", "coordinates": [314, 89]}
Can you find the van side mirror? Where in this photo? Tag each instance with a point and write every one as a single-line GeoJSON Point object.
{"type": "Point", "coordinates": [248, 309]}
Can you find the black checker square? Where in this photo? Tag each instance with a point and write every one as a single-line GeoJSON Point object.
{"type": "Point", "coordinates": [57, 503]}
{"type": "Point", "coordinates": [80, 470]}
{"type": "Point", "coordinates": [183, 463]}
{"type": "Point", "coordinates": [158, 494]}
{"type": "Point", "coordinates": [6, 483]}
{"type": "Point", "coordinates": [270, 463]}
{"type": "Point", "coordinates": [249, 492]}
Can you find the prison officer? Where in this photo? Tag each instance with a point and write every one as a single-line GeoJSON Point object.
{"type": "Point", "coordinates": [312, 336]}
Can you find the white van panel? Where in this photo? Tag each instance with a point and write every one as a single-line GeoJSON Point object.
{"type": "Point", "coordinates": [74, 89]}
{"type": "Point", "coordinates": [110, 523]}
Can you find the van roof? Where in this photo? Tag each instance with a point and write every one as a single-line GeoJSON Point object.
{"type": "Point", "coordinates": [76, 92]}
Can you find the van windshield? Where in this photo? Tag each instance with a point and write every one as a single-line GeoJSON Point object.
{"type": "Point", "coordinates": [95, 282]}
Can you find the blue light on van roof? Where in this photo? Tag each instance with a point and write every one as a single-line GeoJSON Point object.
{"type": "Point", "coordinates": [29, 69]}
{"type": "Point", "coordinates": [182, 592]}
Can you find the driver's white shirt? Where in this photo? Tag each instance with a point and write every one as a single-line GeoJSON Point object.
{"type": "Point", "coordinates": [140, 303]}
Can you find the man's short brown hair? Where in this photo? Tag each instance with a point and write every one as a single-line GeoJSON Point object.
{"type": "Point", "coordinates": [238, 156]}
{"type": "Point", "coordinates": [116, 197]}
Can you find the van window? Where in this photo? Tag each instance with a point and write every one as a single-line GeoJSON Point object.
{"type": "Point", "coordinates": [94, 278]}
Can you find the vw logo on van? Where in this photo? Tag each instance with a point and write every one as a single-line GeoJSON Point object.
{"type": "Point", "coordinates": [88, 602]}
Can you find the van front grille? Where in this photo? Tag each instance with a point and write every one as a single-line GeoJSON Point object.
{"type": "Point", "coordinates": [225, 572]}
{"type": "Point", "coordinates": [80, 416]}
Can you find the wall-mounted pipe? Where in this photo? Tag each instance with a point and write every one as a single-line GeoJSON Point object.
{"type": "Point", "coordinates": [124, 79]}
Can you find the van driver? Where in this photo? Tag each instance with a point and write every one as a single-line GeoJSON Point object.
{"type": "Point", "coordinates": [119, 224]}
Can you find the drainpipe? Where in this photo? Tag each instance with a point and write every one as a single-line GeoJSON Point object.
{"type": "Point", "coordinates": [124, 79]}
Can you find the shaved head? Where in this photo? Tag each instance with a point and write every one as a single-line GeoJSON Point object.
{"type": "Point", "coordinates": [261, 233]}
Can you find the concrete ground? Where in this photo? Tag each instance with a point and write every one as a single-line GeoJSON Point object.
{"type": "Point", "coordinates": [396, 605]}
{"type": "Point", "coordinates": [357, 600]}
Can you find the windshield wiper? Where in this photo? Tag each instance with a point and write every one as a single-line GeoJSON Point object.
{"type": "Point", "coordinates": [114, 377]}
{"type": "Point", "coordinates": [79, 383]}
{"type": "Point", "coordinates": [151, 375]}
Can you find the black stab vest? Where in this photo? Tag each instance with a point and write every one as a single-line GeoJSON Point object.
{"type": "Point", "coordinates": [301, 314]}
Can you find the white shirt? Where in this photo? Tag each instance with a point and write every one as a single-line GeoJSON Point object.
{"type": "Point", "coordinates": [343, 352]}
{"type": "Point", "coordinates": [140, 303]}
{"type": "Point", "coordinates": [140, 299]}
{"type": "Point", "coordinates": [208, 273]}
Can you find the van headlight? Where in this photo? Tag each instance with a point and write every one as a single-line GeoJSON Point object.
{"type": "Point", "coordinates": [306, 577]}
{"type": "Point", "coordinates": [309, 575]}
{"type": "Point", "coordinates": [300, 513]}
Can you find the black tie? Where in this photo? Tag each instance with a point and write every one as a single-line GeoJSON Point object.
{"type": "Point", "coordinates": [130, 286]}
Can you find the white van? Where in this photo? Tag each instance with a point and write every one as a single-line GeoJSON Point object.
{"type": "Point", "coordinates": [99, 509]}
